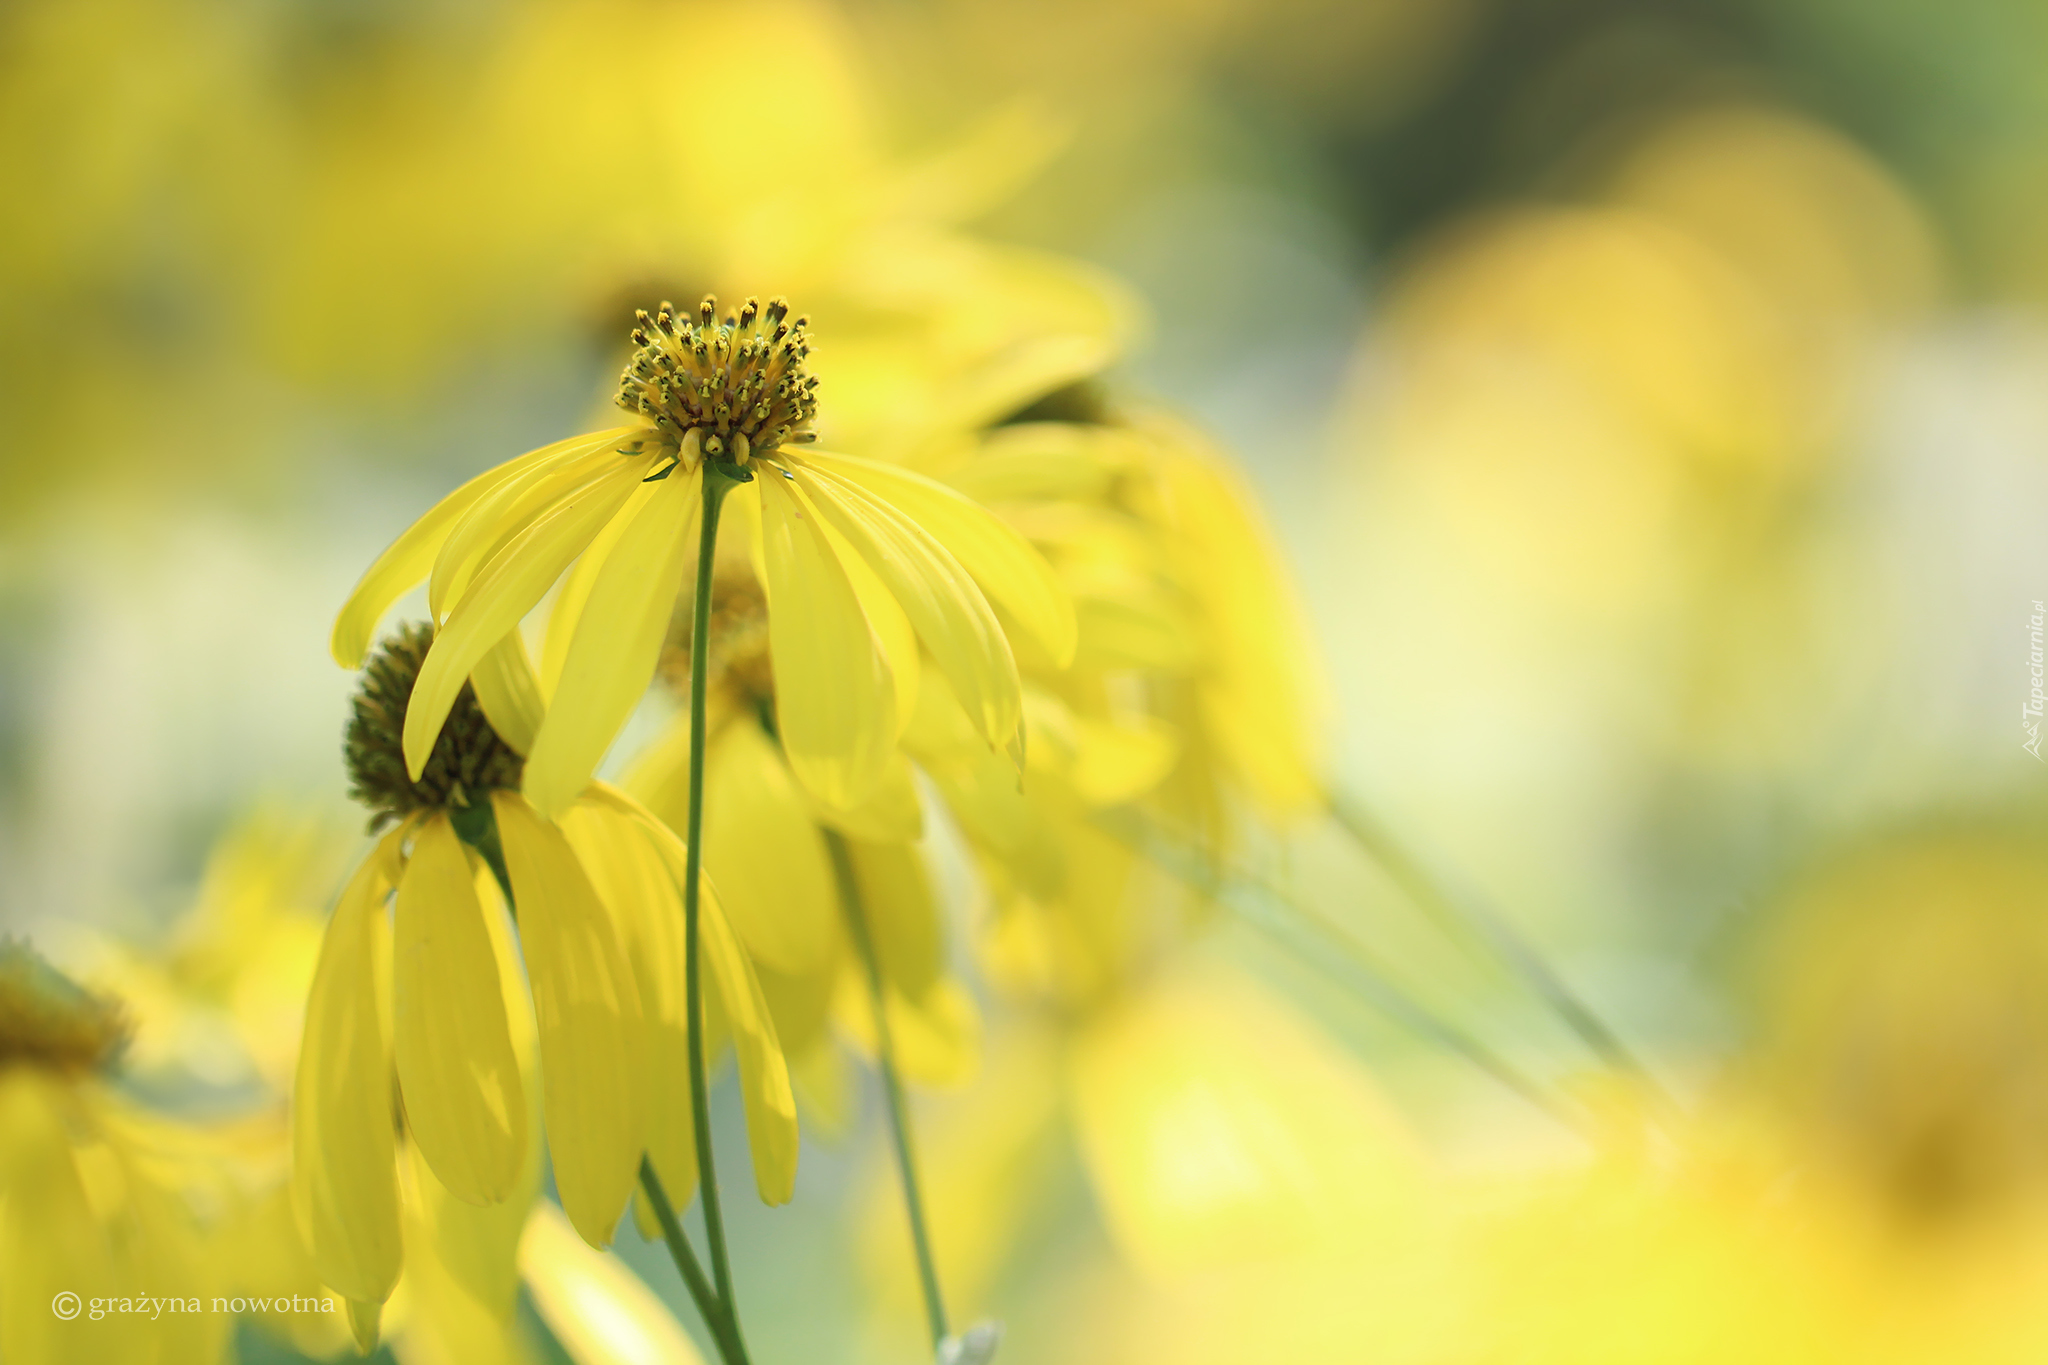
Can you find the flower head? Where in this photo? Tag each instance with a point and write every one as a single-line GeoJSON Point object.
{"type": "Point", "coordinates": [864, 566]}
{"type": "Point", "coordinates": [48, 1021]}
{"type": "Point", "coordinates": [738, 384]}
{"type": "Point", "coordinates": [469, 760]}
{"type": "Point", "coordinates": [428, 994]}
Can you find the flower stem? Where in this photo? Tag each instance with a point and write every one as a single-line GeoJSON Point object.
{"type": "Point", "coordinates": [1317, 942]}
{"type": "Point", "coordinates": [477, 826]}
{"type": "Point", "coordinates": [717, 483]}
{"type": "Point", "coordinates": [1477, 926]}
{"type": "Point", "coordinates": [724, 1328]}
{"type": "Point", "coordinates": [892, 1084]}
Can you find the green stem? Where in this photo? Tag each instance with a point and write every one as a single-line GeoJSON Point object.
{"type": "Point", "coordinates": [892, 1085]}
{"type": "Point", "coordinates": [723, 1328]}
{"type": "Point", "coordinates": [477, 826]}
{"type": "Point", "coordinates": [1351, 965]}
{"type": "Point", "coordinates": [717, 483]}
{"type": "Point", "coordinates": [1476, 925]}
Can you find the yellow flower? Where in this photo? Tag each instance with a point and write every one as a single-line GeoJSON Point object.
{"type": "Point", "coordinates": [861, 562]}
{"type": "Point", "coordinates": [429, 993]}
{"type": "Point", "coordinates": [91, 1202]}
{"type": "Point", "coordinates": [768, 849]}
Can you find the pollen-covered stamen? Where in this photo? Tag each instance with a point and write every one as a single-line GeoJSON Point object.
{"type": "Point", "coordinates": [469, 759]}
{"type": "Point", "coordinates": [48, 1020]}
{"type": "Point", "coordinates": [739, 384]}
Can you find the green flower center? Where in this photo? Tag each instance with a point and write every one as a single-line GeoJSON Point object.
{"type": "Point", "coordinates": [469, 759]}
{"type": "Point", "coordinates": [739, 384]}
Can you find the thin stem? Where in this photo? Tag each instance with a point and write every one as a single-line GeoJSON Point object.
{"type": "Point", "coordinates": [1468, 920]}
{"type": "Point", "coordinates": [477, 826]}
{"type": "Point", "coordinates": [730, 1348]}
{"type": "Point", "coordinates": [1350, 966]}
{"type": "Point", "coordinates": [717, 483]}
{"type": "Point", "coordinates": [892, 1085]}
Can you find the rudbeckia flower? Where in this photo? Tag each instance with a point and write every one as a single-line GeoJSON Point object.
{"type": "Point", "coordinates": [419, 994]}
{"type": "Point", "coordinates": [862, 563]}
{"type": "Point", "coordinates": [90, 1206]}
{"type": "Point", "coordinates": [773, 850]}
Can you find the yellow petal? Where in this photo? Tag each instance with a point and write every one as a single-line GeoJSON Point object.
{"type": "Point", "coordinates": [1121, 761]}
{"type": "Point", "coordinates": [902, 913]}
{"type": "Point", "coordinates": [50, 1240]}
{"type": "Point", "coordinates": [834, 699]}
{"type": "Point", "coordinates": [594, 1306]}
{"type": "Point", "coordinates": [892, 810]}
{"type": "Point", "coordinates": [456, 1069]}
{"type": "Point", "coordinates": [1217, 1124]}
{"type": "Point", "coordinates": [363, 1318]}
{"type": "Point", "coordinates": [937, 1039]}
{"type": "Point", "coordinates": [1263, 694]}
{"type": "Point", "coordinates": [503, 592]}
{"type": "Point", "coordinates": [618, 639]}
{"type": "Point", "coordinates": [567, 608]}
{"type": "Point", "coordinates": [512, 506]}
{"type": "Point", "coordinates": [949, 613]}
{"type": "Point", "coordinates": [405, 563]}
{"type": "Point", "coordinates": [478, 1246]}
{"type": "Point", "coordinates": [592, 1042]}
{"type": "Point", "coordinates": [634, 884]}
{"type": "Point", "coordinates": [764, 1074]}
{"type": "Point", "coordinates": [885, 616]}
{"type": "Point", "coordinates": [1013, 574]}
{"type": "Point", "coordinates": [344, 1177]}
{"type": "Point", "coordinates": [508, 691]}
{"type": "Point", "coordinates": [764, 853]}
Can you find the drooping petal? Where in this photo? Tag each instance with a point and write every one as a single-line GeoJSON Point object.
{"type": "Point", "coordinates": [936, 1039]}
{"type": "Point", "coordinates": [764, 1074]}
{"type": "Point", "coordinates": [344, 1149]}
{"type": "Point", "coordinates": [902, 913]}
{"type": "Point", "coordinates": [457, 1071]}
{"type": "Point", "coordinates": [594, 1306]}
{"type": "Point", "coordinates": [947, 610]}
{"type": "Point", "coordinates": [503, 592]}
{"type": "Point", "coordinates": [885, 616]}
{"type": "Point", "coordinates": [834, 698]}
{"type": "Point", "coordinates": [406, 561]}
{"type": "Point", "coordinates": [1013, 574]}
{"type": "Point", "coordinates": [618, 639]}
{"type": "Point", "coordinates": [764, 852]}
{"type": "Point", "coordinates": [509, 692]}
{"type": "Point", "coordinates": [478, 1246]}
{"type": "Point", "coordinates": [511, 507]}
{"type": "Point", "coordinates": [592, 1040]}
{"type": "Point", "coordinates": [891, 811]}
{"type": "Point", "coordinates": [567, 608]}
{"type": "Point", "coordinates": [635, 886]}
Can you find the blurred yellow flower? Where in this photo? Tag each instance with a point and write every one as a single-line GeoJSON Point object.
{"type": "Point", "coordinates": [92, 1190]}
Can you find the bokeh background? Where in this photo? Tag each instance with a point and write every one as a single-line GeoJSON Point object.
{"type": "Point", "coordinates": [1650, 399]}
